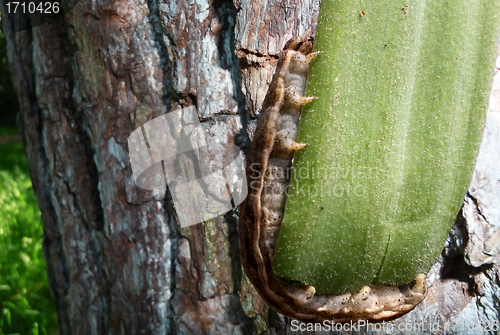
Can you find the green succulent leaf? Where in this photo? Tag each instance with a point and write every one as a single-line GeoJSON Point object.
{"type": "Point", "coordinates": [402, 91]}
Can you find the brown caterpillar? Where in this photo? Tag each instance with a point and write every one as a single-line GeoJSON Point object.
{"type": "Point", "coordinates": [262, 212]}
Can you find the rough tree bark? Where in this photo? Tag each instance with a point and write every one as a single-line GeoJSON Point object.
{"type": "Point", "coordinates": [117, 261]}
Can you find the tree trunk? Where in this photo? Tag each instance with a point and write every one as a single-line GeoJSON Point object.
{"type": "Point", "coordinates": [117, 260]}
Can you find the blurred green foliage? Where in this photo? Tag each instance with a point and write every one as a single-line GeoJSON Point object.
{"type": "Point", "coordinates": [12, 157]}
{"type": "Point", "coordinates": [26, 304]}
{"type": "Point", "coordinates": [25, 300]}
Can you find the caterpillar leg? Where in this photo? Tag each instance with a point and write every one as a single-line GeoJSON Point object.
{"type": "Point", "coordinates": [284, 143]}
{"type": "Point", "coordinates": [312, 55]}
{"type": "Point", "coordinates": [292, 145]}
{"type": "Point", "coordinates": [296, 146]}
{"type": "Point", "coordinates": [299, 100]}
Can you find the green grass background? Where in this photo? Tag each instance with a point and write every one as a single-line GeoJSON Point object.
{"type": "Point", "coordinates": [26, 303]}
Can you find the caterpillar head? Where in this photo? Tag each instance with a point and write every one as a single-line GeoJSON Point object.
{"type": "Point", "coordinates": [303, 43]}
